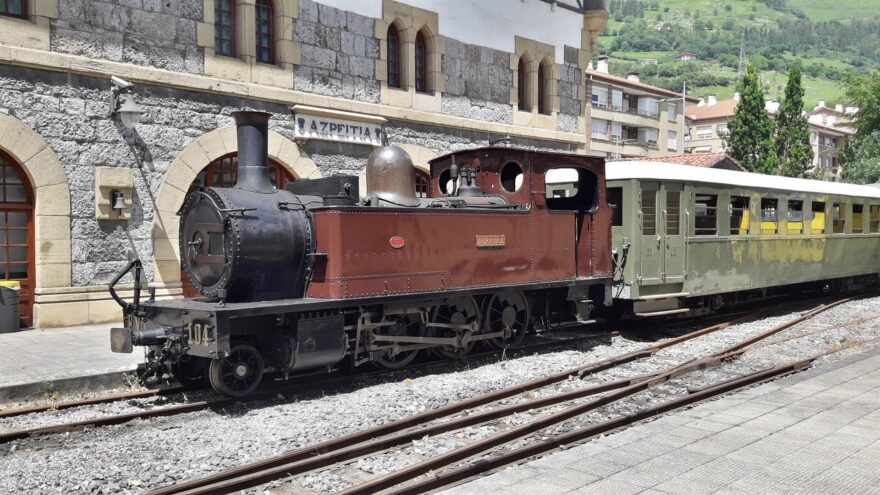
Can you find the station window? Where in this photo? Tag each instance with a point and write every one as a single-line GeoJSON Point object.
{"type": "Point", "coordinates": [706, 214]}
{"type": "Point", "coordinates": [739, 215]}
{"type": "Point", "coordinates": [769, 216]}
{"type": "Point", "coordinates": [818, 224]}
{"type": "Point", "coordinates": [570, 189]}
{"type": "Point", "coordinates": [875, 219]}
{"type": "Point", "coordinates": [795, 216]}
{"type": "Point", "coordinates": [615, 202]}
{"type": "Point", "coordinates": [838, 217]}
{"type": "Point", "coordinates": [858, 219]}
{"type": "Point", "coordinates": [673, 212]}
{"type": "Point", "coordinates": [649, 212]}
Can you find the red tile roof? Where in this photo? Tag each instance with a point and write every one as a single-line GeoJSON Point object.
{"type": "Point", "coordinates": [721, 109]}
{"type": "Point", "coordinates": [705, 160]}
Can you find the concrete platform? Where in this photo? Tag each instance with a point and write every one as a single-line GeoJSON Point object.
{"type": "Point", "coordinates": [39, 362]}
{"type": "Point", "coordinates": [817, 432]}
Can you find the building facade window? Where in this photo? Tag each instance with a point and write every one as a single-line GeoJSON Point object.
{"type": "Point", "coordinates": [671, 111]}
{"type": "Point", "coordinates": [224, 27]}
{"type": "Point", "coordinates": [600, 129]}
{"type": "Point", "coordinates": [421, 63]}
{"type": "Point", "coordinates": [17, 233]}
{"type": "Point", "coordinates": [394, 57]}
{"type": "Point", "coordinates": [672, 141]}
{"type": "Point", "coordinates": [423, 183]}
{"type": "Point", "coordinates": [704, 132]}
{"type": "Point", "coordinates": [14, 8]}
{"type": "Point", "coordinates": [265, 32]}
{"type": "Point", "coordinates": [522, 101]}
{"type": "Point", "coordinates": [543, 85]}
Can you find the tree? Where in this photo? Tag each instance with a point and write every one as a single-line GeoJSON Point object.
{"type": "Point", "coordinates": [751, 130]}
{"type": "Point", "coordinates": [861, 157]}
{"type": "Point", "coordinates": [861, 160]}
{"type": "Point", "coordinates": [794, 153]}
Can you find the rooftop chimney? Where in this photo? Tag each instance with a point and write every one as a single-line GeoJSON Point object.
{"type": "Point", "coordinates": [590, 65]}
{"type": "Point", "coordinates": [821, 104]}
{"type": "Point", "coordinates": [701, 103]}
{"type": "Point", "coordinates": [633, 76]}
{"type": "Point", "coordinates": [838, 107]}
{"type": "Point", "coordinates": [736, 97]}
{"type": "Point", "coordinates": [713, 99]}
{"type": "Point", "coordinates": [252, 129]}
{"type": "Point", "coordinates": [602, 65]}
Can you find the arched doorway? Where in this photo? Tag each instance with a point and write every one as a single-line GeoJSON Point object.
{"type": "Point", "coordinates": [17, 233]}
{"type": "Point", "coordinates": [222, 172]}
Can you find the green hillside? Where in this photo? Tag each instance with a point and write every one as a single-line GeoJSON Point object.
{"type": "Point", "coordinates": [830, 40]}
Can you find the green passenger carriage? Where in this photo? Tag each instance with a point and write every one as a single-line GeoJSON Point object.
{"type": "Point", "coordinates": [689, 240]}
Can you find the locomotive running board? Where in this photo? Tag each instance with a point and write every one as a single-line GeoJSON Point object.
{"type": "Point", "coordinates": [663, 296]}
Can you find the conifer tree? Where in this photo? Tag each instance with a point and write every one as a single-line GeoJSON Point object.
{"type": "Point", "coordinates": [793, 151]}
{"type": "Point", "coordinates": [750, 140]}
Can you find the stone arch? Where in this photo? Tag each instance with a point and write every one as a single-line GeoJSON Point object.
{"type": "Point", "coordinates": [52, 250]}
{"type": "Point", "coordinates": [420, 157]}
{"type": "Point", "coordinates": [183, 170]}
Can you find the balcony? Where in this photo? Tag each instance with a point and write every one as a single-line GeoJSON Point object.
{"type": "Point", "coordinates": [626, 109]}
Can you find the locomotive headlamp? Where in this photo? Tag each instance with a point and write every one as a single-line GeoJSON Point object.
{"type": "Point", "coordinates": [122, 103]}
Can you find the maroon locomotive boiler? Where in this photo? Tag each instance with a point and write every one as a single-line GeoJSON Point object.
{"type": "Point", "coordinates": [314, 277]}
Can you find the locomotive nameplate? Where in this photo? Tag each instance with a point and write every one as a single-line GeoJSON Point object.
{"type": "Point", "coordinates": [491, 241]}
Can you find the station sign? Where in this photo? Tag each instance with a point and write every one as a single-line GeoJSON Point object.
{"type": "Point", "coordinates": [346, 127]}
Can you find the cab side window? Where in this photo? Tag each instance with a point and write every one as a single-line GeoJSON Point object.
{"type": "Point", "coordinates": [615, 202]}
{"type": "Point", "coordinates": [571, 189]}
{"type": "Point", "coordinates": [706, 214]}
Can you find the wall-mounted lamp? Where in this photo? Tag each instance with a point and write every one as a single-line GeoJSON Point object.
{"type": "Point", "coordinates": [122, 102]}
{"type": "Point", "coordinates": [117, 200]}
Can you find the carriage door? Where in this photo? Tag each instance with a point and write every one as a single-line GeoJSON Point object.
{"type": "Point", "coordinates": [650, 261]}
{"type": "Point", "coordinates": [673, 264]}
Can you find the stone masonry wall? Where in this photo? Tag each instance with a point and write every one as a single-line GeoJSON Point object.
{"type": "Point", "coordinates": [157, 33]}
{"type": "Point", "coordinates": [478, 81]}
{"type": "Point", "coordinates": [70, 113]}
{"type": "Point", "coordinates": [569, 82]}
{"type": "Point", "coordinates": [339, 53]}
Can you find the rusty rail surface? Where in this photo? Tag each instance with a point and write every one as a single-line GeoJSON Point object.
{"type": "Point", "coordinates": [346, 447]}
{"type": "Point", "coordinates": [335, 380]}
{"type": "Point", "coordinates": [385, 436]}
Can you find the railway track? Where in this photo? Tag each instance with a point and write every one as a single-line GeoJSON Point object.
{"type": "Point", "coordinates": [337, 379]}
{"type": "Point", "coordinates": [378, 439]}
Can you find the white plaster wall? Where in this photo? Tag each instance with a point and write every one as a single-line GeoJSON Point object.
{"type": "Point", "coordinates": [490, 23]}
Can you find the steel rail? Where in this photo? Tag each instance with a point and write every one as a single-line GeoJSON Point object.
{"type": "Point", "coordinates": [439, 462]}
{"type": "Point", "coordinates": [297, 460]}
{"type": "Point", "coordinates": [57, 406]}
{"type": "Point", "coordinates": [13, 435]}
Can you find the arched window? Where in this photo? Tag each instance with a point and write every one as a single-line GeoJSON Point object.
{"type": "Point", "coordinates": [224, 27]}
{"type": "Point", "coordinates": [521, 80]}
{"type": "Point", "coordinates": [265, 34]}
{"type": "Point", "coordinates": [393, 57]}
{"type": "Point", "coordinates": [14, 8]}
{"type": "Point", "coordinates": [423, 183]}
{"type": "Point", "coordinates": [542, 89]}
{"type": "Point", "coordinates": [421, 63]}
{"type": "Point", "coordinates": [17, 233]}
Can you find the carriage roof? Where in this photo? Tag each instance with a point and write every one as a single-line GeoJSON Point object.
{"type": "Point", "coordinates": [649, 170]}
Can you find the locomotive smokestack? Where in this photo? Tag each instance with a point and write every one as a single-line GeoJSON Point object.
{"type": "Point", "coordinates": [253, 156]}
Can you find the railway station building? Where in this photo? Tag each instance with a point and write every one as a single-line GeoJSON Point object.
{"type": "Point", "coordinates": [112, 110]}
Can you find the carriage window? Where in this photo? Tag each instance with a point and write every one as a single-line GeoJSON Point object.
{"type": "Point", "coordinates": [673, 209]}
{"type": "Point", "coordinates": [818, 218]}
{"type": "Point", "coordinates": [858, 219]}
{"type": "Point", "coordinates": [649, 212]}
{"type": "Point", "coordinates": [875, 219]}
{"type": "Point", "coordinates": [739, 215]}
{"type": "Point", "coordinates": [795, 216]}
{"type": "Point", "coordinates": [706, 214]}
{"type": "Point", "coordinates": [615, 202]}
{"type": "Point", "coordinates": [838, 217]}
{"type": "Point", "coordinates": [572, 189]}
{"type": "Point", "coordinates": [769, 216]}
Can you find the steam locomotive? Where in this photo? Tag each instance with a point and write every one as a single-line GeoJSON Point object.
{"type": "Point", "coordinates": [315, 277]}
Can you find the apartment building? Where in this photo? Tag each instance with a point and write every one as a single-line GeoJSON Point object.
{"type": "Point", "coordinates": [631, 119]}
{"type": "Point", "coordinates": [829, 129]}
